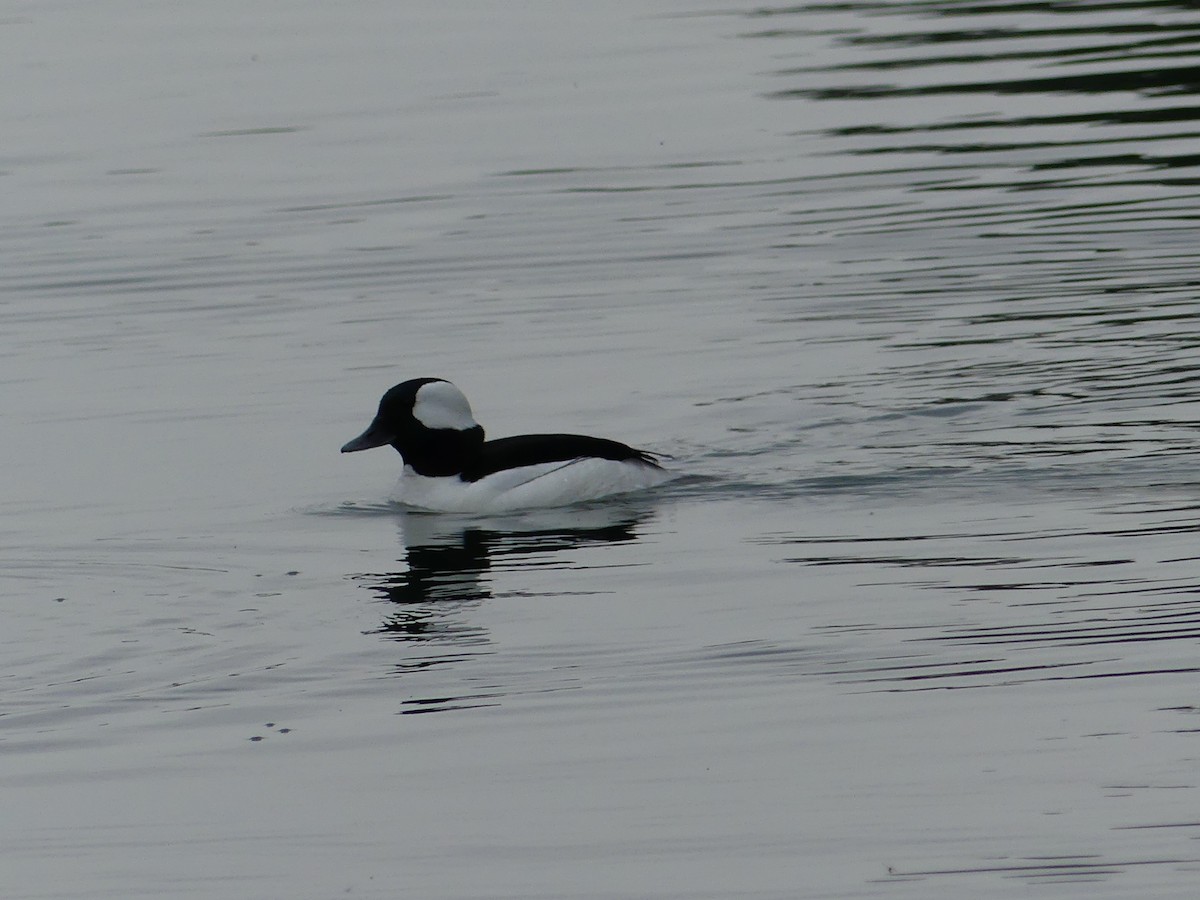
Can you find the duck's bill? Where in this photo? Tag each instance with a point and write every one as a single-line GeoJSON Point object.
{"type": "Point", "coordinates": [374, 436]}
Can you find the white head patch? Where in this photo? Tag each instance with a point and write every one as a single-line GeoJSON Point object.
{"type": "Point", "coordinates": [439, 404]}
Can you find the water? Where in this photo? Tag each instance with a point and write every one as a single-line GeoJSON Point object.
{"type": "Point", "coordinates": [906, 288]}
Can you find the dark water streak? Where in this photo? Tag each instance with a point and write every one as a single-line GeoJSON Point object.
{"type": "Point", "coordinates": [1013, 227]}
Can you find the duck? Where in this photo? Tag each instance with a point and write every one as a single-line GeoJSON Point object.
{"type": "Point", "coordinates": [449, 466]}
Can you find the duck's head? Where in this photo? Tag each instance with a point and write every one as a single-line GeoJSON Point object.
{"type": "Point", "coordinates": [429, 422]}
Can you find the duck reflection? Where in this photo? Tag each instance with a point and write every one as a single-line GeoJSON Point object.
{"type": "Point", "coordinates": [448, 564]}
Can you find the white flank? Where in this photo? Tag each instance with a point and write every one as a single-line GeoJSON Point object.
{"type": "Point", "coordinates": [440, 404]}
{"type": "Point", "coordinates": [529, 487]}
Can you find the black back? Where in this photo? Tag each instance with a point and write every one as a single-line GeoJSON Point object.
{"type": "Point", "coordinates": [533, 449]}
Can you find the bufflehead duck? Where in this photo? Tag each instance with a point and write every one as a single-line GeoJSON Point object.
{"type": "Point", "coordinates": [449, 467]}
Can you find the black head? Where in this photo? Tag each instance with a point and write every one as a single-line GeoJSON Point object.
{"type": "Point", "coordinates": [429, 422]}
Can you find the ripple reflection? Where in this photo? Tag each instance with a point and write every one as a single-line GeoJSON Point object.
{"type": "Point", "coordinates": [450, 566]}
{"type": "Point", "coordinates": [998, 603]}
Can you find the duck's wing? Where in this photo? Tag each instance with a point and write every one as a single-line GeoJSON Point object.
{"type": "Point", "coordinates": [537, 450]}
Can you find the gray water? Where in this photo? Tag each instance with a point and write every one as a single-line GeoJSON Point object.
{"type": "Point", "coordinates": [908, 289]}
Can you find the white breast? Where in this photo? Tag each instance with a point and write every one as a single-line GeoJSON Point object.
{"type": "Point", "coordinates": [527, 487]}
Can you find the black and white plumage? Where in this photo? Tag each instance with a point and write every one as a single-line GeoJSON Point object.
{"type": "Point", "coordinates": [450, 467]}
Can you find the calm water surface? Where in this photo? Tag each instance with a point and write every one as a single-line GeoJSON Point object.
{"type": "Point", "coordinates": [908, 289]}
